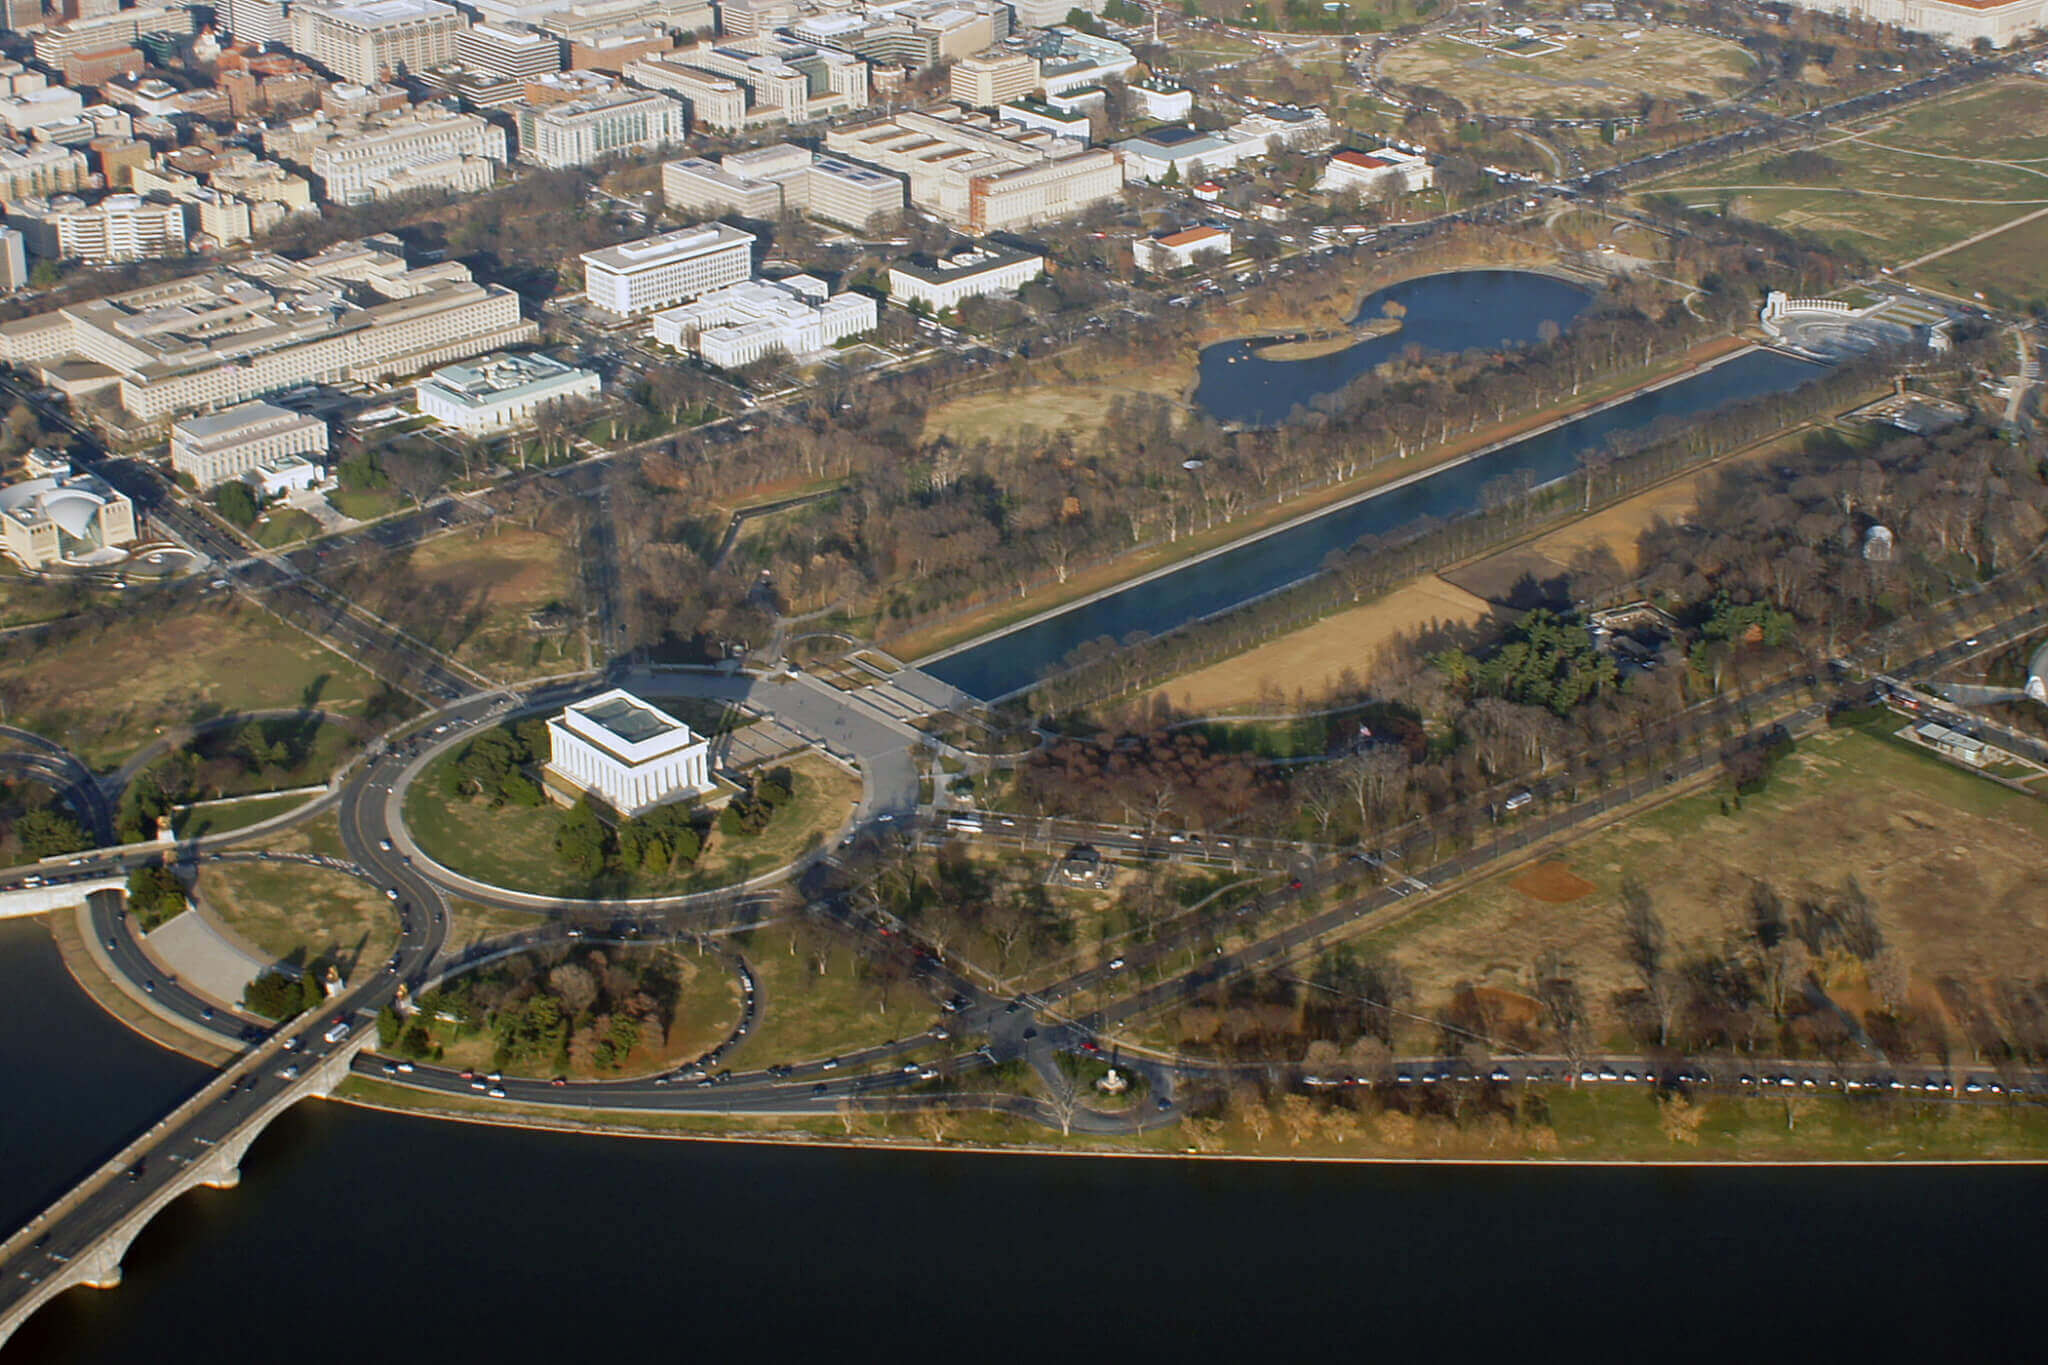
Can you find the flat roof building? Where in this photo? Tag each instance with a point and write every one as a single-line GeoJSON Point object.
{"type": "Point", "coordinates": [265, 324]}
{"type": "Point", "coordinates": [979, 172]}
{"type": "Point", "coordinates": [361, 159]}
{"type": "Point", "coordinates": [941, 285]}
{"type": "Point", "coordinates": [630, 754]}
{"type": "Point", "coordinates": [674, 267]}
{"type": "Point", "coordinates": [120, 227]}
{"type": "Point", "coordinates": [498, 392]}
{"type": "Point", "coordinates": [229, 444]}
{"type": "Point", "coordinates": [1385, 170]}
{"type": "Point", "coordinates": [764, 183]}
{"type": "Point", "coordinates": [581, 132]}
{"type": "Point", "coordinates": [988, 79]}
{"type": "Point", "coordinates": [513, 52]}
{"type": "Point", "coordinates": [1178, 250]}
{"type": "Point", "coordinates": [744, 323]}
{"type": "Point", "coordinates": [369, 40]}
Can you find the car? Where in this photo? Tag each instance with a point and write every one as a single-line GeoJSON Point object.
{"type": "Point", "coordinates": [496, 1092]}
{"type": "Point", "coordinates": [939, 1032]}
{"type": "Point", "coordinates": [818, 1088]}
{"type": "Point", "coordinates": [206, 1012]}
{"type": "Point", "coordinates": [559, 1081]}
{"type": "Point", "coordinates": [405, 1068]}
{"type": "Point", "coordinates": [1116, 964]}
{"type": "Point", "coordinates": [289, 1072]}
{"type": "Point", "coordinates": [829, 1064]}
{"type": "Point", "coordinates": [468, 1075]}
{"type": "Point", "coordinates": [384, 844]}
{"type": "Point", "coordinates": [112, 946]}
{"type": "Point", "coordinates": [910, 1068]}
{"type": "Point", "coordinates": [1030, 1033]}
{"type": "Point", "coordinates": [148, 986]}
{"type": "Point", "coordinates": [1499, 1076]}
{"type": "Point", "coordinates": [291, 1045]}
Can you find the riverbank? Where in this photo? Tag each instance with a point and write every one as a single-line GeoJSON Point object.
{"type": "Point", "coordinates": [1313, 345]}
{"type": "Point", "coordinates": [1559, 1127]}
{"type": "Point", "coordinates": [979, 626]}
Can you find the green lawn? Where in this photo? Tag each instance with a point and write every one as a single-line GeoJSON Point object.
{"type": "Point", "coordinates": [808, 1014]}
{"type": "Point", "coordinates": [284, 526]}
{"type": "Point", "coordinates": [208, 820]}
{"type": "Point", "coordinates": [514, 846]}
{"type": "Point", "coordinates": [366, 504]}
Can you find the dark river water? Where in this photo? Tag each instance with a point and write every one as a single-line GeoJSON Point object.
{"type": "Point", "coordinates": [1459, 311]}
{"type": "Point", "coordinates": [357, 1236]}
{"type": "Point", "coordinates": [1012, 662]}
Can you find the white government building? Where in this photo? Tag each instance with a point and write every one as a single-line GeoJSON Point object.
{"type": "Point", "coordinates": [972, 273]}
{"type": "Point", "coordinates": [673, 267]}
{"type": "Point", "coordinates": [742, 323]}
{"type": "Point", "coordinates": [498, 392]}
{"type": "Point", "coordinates": [632, 755]}
{"type": "Point", "coordinates": [240, 440]}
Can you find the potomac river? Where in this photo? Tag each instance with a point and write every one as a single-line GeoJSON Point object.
{"type": "Point", "coordinates": [358, 1236]}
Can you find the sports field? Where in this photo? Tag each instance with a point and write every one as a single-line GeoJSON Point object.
{"type": "Point", "coordinates": [1572, 69]}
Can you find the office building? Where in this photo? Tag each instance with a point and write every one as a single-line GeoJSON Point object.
{"type": "Point", "coordinates": [367, 41]}
{"type": "Point", "coordinates": [743, 323]}
{"type": "Point", "coordinates": [978, 172]}
{"type": "Point", "coordinates": [1179, 250]}
{"type": "Point", "coordinates": [120, 227]}
{"type": "Point", "coordinates": [62, 517]}
{"type": "Point", "coordinates": [626, 752]}
{"type": "Point", "coordinates": [1957, 22]}
{"type": "Point", "coordinates": [584, 131]}
{"type": "Point", "coordinates": [499, 392]}
{"type": "Point", "coordinates": [752, 82]}
{"type": "Point", "coordinates": [1069, 59]}
{"type": "Point", "coordinates": [992, 78]}
{"type": "Point", "coordinates": [265, 324]}
{"type": "Point", "coordinates": [261, 23]}
{"type": "Point", "coordinates": [360, 159]}
{"type": "Point", "coordinates": [1071, 124]}
{"type": "Point", "coordinates": [674, 267]}
{"type": "Point", "coordinates": [13, 259]}
{"type": "Point", "coordinates": [1164, 100]}
{"type": "Point", "coordinates": [768, 182]}
{"type": "Point", "coordinates": [40, 169]}
{"type": "Point", "coordinates": [236, 441]}
{"type": "Point", "coordinates": [917, 34]}
{"type": "Point", "coordinates": [1376, 174]}
{"type": "Point", "coordinates": [941, 285]}
{"type": "Point", "coordinates": [512, 52]}
{"type": "Point", "coordinates": [1185, 155]}
{"type": "Point", "coordinates": [96, 33]}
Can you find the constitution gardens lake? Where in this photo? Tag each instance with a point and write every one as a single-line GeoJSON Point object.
{"type": "Point", "coordinates": [357, 1235]}
{"type": "Point", "coordinates": [1492, 305]}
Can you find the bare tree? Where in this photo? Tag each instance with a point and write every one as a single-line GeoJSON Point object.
{"type": "Point", "coordinates": [1648, 952]}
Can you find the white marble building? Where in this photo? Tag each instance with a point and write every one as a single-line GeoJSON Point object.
{"type": "Point", "coordinates": [629, 753]}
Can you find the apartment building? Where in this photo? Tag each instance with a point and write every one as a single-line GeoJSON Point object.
{"type": "Point", "coordinates": [39, 169]}
{"type": "Point", "coordinates": [765, 183]}
{"type": "Point", "coordinates": [746, 322]}
{"type": "Point", "coordinates": [942, 284]}
{"type": "Point", "coordinates": [510, 52]}
{"type": "Point", "coordinates": [580, 132]}
{"type": "Point", "coordinates": [368, 40]}
{"type": "Point", "coordinates": [102, 31]}
{"type": "Point", "coordinates": [266, 324]}
{"type": "Point", "coordinates": [358, 160]}
{"type": "Point", "coordinates": [674, 267]}
{"type": "Point", "coordinates": [120, 227]}
{"type": "Point", "coordinates": [992, 78]}
{"type": "Point", "coordinates": [238, 441]}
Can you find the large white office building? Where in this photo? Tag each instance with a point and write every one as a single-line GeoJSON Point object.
{"type": "Point", "coordinates": [120, 227]}
{"type": "Point", "coordinates": [981, 172]}
{"type": "Point", "coordinates": [366, 41]}
{"type": "Point", "coordinates": [236, 441]}
{"type": "Point", "coordinates": [264, 324]}
{"type": "Point", "coordinates": [498, 392]}
{"type": "Point", "coordinates": [768, 181]}
{"type": "Point", "coordinates": [630, 754]}
{"type": "Point", "coordinates": [359, 160]}
{"type": "Point", "coordinates": [584, 131]}
{"type": "Point", "coordinates": [942, 284]}
{"type": "Point", "coordinates": [674, 267]}
{"type": "Point", "coordinates": [747, 322]}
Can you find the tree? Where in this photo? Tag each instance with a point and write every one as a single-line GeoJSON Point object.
{"type": "Point", "coordinates": [581, 839]}
{"type": "Point", "coordinates": [155, 895]}
{"type": "Point", "coordinates": [46, 832]}
{"type": "Point", "coordinates": [1649, 947]}
{"type": "Point", "coordinates": [274, 995]}
{"type": "Point", "coordinates": [235, 502]}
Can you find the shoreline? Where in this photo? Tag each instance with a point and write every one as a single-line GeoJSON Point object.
{"type": "Point", "coordinates": [1732, 348]}
{"type": "Point", "coordinates": [1026, 1149]}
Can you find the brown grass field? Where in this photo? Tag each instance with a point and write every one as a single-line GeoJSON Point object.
{"type": "Point", "coordinates": [292, 912]}
{"type": "Point", "coordinates": [1553, 883]}
{"type": "Point", "coordinates": [111, 689]}
{"type": "Point", "coordinates": [1956, 865]}
{"type": "Point", "coordinates": [1598, 70]}
{"type": "Point", "coordinates": [1310, 661]}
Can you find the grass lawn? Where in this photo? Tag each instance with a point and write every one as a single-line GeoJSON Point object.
{"type": "Point", "coordinates": [1879, 198]}
{"type": "Point", "coordinates": [366, 504]}
{"type": "Point", "coordinates": [194, 823]}
{"type": "Point", "coordinates": [295, 913]}
{"type": "Point", "coordinates": [284, 526]}
{"type": "Point", "coordinates": [2009, 270]}
{"type": "Point", "coordinates": [514, 846]}
{"type": "Point", "coordinates": [470, 594]}
{"type": "Point", "coordinates": [113, 685]}
{"type": "Point", "coordinates": [471, 922]}
{"type": "Point", "coordinates": [1956, 866]}
{"type": "Point", "coordinates": [326, 746]}
{"type": "Point", "coordinates": [322, 834]}
{"type": "Point", "coordinates": [817, 1001]}
{"type": "Point", "coordinates": [27, 601]}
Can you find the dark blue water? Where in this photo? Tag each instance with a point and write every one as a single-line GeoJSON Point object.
{"type": "Point", "coordinates": [1012, 662]}
{"type": "Point", "coordinates": [357, 1236]}
{"type": "Point", "coordinates": [1461, 311]}
{"type": "Point", "coordinates": [75, 1084]}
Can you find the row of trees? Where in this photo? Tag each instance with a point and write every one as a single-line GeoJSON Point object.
{"type": "Point", "coordinates": [586, 1009]}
